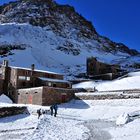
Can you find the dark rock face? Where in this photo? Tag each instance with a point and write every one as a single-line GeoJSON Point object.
{"type": "Point", "coordinates": [123, 48]}
{"type": "Point", "coordinates": [114, 47]}
{"type": "Point", "coordinates": [69, 48]}
{"type": "Point", "coordinates": [60, 18]}
{"type": "Point", "coordinates": [9, 111]}
{"type": "Point", "coordinates": [5, 50]}
{"type": "Point", "coordinates": [46, 12]}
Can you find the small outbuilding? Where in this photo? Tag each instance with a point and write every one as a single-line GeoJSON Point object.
{"type": "Point", "coordinates": [100, 70]}
{"type": "Point", "coordinates": [44, 95]}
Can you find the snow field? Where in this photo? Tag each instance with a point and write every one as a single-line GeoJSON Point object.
{"type": "Point", "coordinates": [42, 49]}
{"type": "Point", "coordinates": [69, 123]}
{"type": "Point", "coordinates": [129, 82]}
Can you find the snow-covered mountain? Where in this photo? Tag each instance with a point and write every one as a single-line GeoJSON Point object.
{"type": "Point", "coordinates": [55, 37]}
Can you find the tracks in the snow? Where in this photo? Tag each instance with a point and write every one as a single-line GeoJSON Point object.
{"type": "Point", "coordinates": [15, 130]}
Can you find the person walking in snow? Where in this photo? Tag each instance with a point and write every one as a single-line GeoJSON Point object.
{"type": "Point", "coordinates": [55, 109]}
{"type": "Point", "coordinates": [51, 108]}
{"type": "Point", "coordinates": [39, 113]}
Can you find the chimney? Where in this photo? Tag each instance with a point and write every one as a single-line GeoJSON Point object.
{"type": "Point", "coordinates": [33, 67]}
{"type": "Point", "coordinates": [5, 63]}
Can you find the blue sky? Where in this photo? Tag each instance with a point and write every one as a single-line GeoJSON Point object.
{"type": "Point", "coordinates": [117, 19]}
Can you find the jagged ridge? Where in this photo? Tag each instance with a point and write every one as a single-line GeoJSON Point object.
{"type": "Point", "coordinates": [47, 12]}
{"type": "Point", "coordinates": [72, 35]}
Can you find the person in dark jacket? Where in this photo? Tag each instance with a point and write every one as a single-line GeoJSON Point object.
{"type": "Point", "coordinates": [51, 108]}
{"type": "Point", "coordinates": [39, 113]}
{"type": "Point", "coordinates": [55, 109]}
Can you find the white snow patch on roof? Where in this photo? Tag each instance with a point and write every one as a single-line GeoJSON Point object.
{"type": "Point", "coordinates": [54, 80]}
{"type": "Point", "coordinates": [34, 70]}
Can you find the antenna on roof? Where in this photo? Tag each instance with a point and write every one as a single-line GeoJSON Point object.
{"type": "Point", "coordinates": [33, 67]}
{"type": "Point", "coordinates": [5, 63]}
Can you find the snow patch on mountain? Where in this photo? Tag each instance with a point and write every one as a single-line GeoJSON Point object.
{"type": "Point", "coordinates": [42, 49]}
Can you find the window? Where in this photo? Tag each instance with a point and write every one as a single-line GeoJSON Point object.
{"type": "Point", "coordinates": [21, 77]}
{"type": "Point", "coordinates": [49, 84]}
{"type": "Point", "coordinates": [23, 84]}
{"type": "Point", "coordinates": [28, 78]}
{"type": "Point", "coordinates": [27, 72]}
{"type": "Point", "coordinates": [24, 78]}
{"type": "Point", "coordinates": [54, 85]}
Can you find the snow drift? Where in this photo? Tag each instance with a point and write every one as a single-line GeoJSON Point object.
{"type": "Point", "coordinates": [5, 99]}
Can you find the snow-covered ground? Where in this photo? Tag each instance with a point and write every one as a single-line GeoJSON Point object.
{"type": "Point", "coordinates": [131, 81]}
{"type": "Point", "coordinates": [76, 120]}
{"type": "Point", "coordinates": [4, 99]}
{"type": "Point", "coordinates": [79, 119]}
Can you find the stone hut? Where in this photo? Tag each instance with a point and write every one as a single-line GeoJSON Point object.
{"type": "Point", "coordinates": [101, 70]}
{"type": "Point", "coordinates": [28, 85]}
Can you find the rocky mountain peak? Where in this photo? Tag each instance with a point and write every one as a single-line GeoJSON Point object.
{"type": "Point", "coordinates": [57, 31]}
{"type": "Point", "coordinates": [47, 13]}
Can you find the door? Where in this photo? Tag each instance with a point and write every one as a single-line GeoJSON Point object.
{"type": "Point", "coordinates": [30, 99]}
{"type": "Point", "coordinates": [63, 97]}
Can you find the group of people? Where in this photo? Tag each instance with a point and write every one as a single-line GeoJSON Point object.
{"type": "Point", "coordinates": [53, 109]}
{"type": "Point", "coordinates": [40, 112]}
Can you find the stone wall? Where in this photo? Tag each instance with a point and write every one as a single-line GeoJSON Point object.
{"type": "Point", "coordinates": [95, 67]}
{"type": "Point", "coordinates": [30, 96]}
{"type": "Point", "coordinates": [58, 84]}
{"type": "Point", "coordinates": [57, 95]}
{"type": "Point", "coordinates": [1, 85]}
{"type": "Point", "coordinates": [38, 73]}
{"type": "Point", "coordinates": [107, 96]}
{"type": "Point", "coordinates": [44, 95]}
{"type": "Point", "coordinates": [9, 111]}
{"type": "Point", "coordinates": [23, 74]}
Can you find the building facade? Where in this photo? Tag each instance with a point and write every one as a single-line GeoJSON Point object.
{"type": "Point", "coordinates": [15, 79]}
{"type": "Point", "coordinates": [101, 70]}
{"type": "Point", "coordinates": [44, 95]}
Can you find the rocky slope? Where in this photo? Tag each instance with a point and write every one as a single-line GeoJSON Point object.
{"type": "Point", "coordinates": [56, 37]}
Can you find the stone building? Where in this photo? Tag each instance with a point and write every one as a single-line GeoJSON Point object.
{"type": "Point", "coordinates": [44, 95]}
{"type": "Point", "coordinates": [25, 85]}
{"type": "Point", "coordinates": [99, 70]}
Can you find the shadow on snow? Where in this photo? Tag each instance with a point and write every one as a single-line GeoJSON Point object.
{"type": "Point", "coordinates": [13, 118]}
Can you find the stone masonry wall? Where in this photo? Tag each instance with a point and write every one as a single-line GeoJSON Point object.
{"type": "Point", "coordinates": [9, 111]}
{"type": "Point", "coordinates": [1, 86]}
{"type": "Point", "coordinates": [30, 96]}
{"type": "Point", "coordinates": [45, 95]}
{"type": "Point", "coordinates": [56, 95]}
